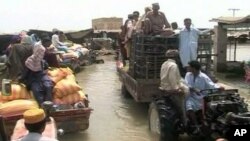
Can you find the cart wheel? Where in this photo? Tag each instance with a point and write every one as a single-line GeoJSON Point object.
{"type": "Point", "coordinates": [161, 122]}
{"type": "Point", "coordinates": [125, 92]}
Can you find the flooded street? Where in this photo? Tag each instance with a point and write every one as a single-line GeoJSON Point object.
{"type": "Point", "coordinates": [114, 118]}
{"type": "Point", "coordinates": [242, 52]}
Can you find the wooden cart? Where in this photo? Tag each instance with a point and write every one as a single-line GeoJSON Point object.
{"type": "Point", "coordinates": [69, 120]}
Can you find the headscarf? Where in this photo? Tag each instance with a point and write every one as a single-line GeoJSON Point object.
{"type": "Point", "coordinates": [15, 39]}
{"type": "Point", "coordinates": [35, 60]}
{"type": "Point", "coordinates": [27, 40]}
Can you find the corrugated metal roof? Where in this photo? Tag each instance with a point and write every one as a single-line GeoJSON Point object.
{"type": "Point", "coordinates": [232, 20]}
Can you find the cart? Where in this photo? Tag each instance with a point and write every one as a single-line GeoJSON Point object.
{"type": "Point", "coordinates": [67, 120]}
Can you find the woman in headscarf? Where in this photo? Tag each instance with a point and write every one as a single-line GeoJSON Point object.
{"type": "Point", "coordinates": [35, 77]}
{"type": "Point", "coordinates": [17, 55]}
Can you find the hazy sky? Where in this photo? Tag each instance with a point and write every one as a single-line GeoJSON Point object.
{"type": "Point", "coordinates": [17, 15]}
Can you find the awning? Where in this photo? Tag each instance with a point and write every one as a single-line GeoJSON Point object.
{"type": "Point", "coordinates": [231, 20]}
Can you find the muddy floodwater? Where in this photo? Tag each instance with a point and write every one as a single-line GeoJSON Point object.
{"type": "Point", "coordinates": [114, 118]}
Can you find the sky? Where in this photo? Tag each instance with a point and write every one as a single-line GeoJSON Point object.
{"type": "Point", "coordinates": [17, 15]}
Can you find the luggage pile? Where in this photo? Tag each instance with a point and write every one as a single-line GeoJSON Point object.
{"type": "Point", "coordinates": [66, 92]}
{"type": "Point", "coordinates": [17, 102]}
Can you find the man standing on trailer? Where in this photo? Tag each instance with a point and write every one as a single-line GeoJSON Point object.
{"type": "Point", "coordinates": [189, 42]}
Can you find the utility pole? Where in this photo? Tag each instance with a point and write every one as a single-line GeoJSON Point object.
{"type": "Point", "coordinates": [234, 10]}
{"type": "Point", "coordinates": [235, 40]}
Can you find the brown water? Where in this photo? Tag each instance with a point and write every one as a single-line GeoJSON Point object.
{"type": "Point", "coordinates": [114, 118]}
{"type": "Point", "coordinates": [242, 52]}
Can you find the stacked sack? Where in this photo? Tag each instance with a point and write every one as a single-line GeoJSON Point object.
{"type": "Point", "coordinates": [16, 107]}
{"type": "Point", "coordinates": [66, 90]}
{"type": "Point", "coordinates": [17, 102]}
{"type": "Point", "coordinates": [18, 91]}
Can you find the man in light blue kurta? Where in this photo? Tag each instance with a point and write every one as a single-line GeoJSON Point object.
{"type": "Point", "coordinates": [196, 81]}
{"type": "Point", "coordinates": [189, 42]}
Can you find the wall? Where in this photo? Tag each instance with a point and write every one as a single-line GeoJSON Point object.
{"type": "Point", "coordinates": [107, 23]}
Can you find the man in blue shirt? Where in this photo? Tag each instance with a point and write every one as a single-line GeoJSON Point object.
{"type": "Point", "coordinates": [196, 81]}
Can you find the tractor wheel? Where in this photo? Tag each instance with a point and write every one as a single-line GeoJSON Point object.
{"type": "Point", "coordinates": [162, 119]}
{"type": "Point", "coordinates": [125, 92]}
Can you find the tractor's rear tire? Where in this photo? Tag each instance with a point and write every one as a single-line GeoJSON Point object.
{"type": "Point", "coordinates": [162, 119]}
{"type": "Point", "coordinates": [125, 92]}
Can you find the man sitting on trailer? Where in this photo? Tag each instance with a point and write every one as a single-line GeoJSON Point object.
{"type": "Point", "coordinates": [156, 22]}
{"type": "Point", "coordinates": [35, 122]}
{"type": "Point", "coordinates": [35, 77]}
{"type": "Point", "coordinates": [172, 82]}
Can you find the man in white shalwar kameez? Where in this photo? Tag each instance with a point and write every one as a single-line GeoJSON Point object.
{"type": "Point", "coordinates": [171, 81]}
{"type": "Point", "coordinates": [189, 42]}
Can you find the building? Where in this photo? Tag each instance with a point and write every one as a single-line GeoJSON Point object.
{"type": "Point", "coordinates": [112, 24]}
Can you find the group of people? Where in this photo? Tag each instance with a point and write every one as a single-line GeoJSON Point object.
{"type": "Point", "coordinates": [189, 96]}
{"type": "Point", "coordinates": [29, 57]}
{"type": "Point", "coordinates": [188, 92]}
{"type": "Point", "coordinates": [154, 23]}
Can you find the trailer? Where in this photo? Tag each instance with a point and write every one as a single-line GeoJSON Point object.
{"type": "Point", "coordinates": [141, 80]}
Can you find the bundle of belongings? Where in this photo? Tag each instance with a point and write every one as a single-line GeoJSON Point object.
{"type": "Point", "coordinates": [69, 49]}
{"type": "Point", "coordinates": [70, 56]}
{"type": "Point", "coordinates": [65, 92]}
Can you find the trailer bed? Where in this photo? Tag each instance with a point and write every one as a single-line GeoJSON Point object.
{"type": "Point", "coordinates": [142, 90]}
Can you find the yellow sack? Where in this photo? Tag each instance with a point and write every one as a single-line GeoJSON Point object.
{"type": "Point", "coordinates": [65, 87]}
{"type": "Point", "coordinates": [16, 107]}
{"type": "Point", "coordinates": [18, 91]}
{"type": "Point", "coordinates": [71, 77]}
{"type": "Point", "coordinates": [71, 99]}
{"type": "Point", "coordinates": [67, 70]}
{"type": "Point", "coordinates": [57, 74]}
